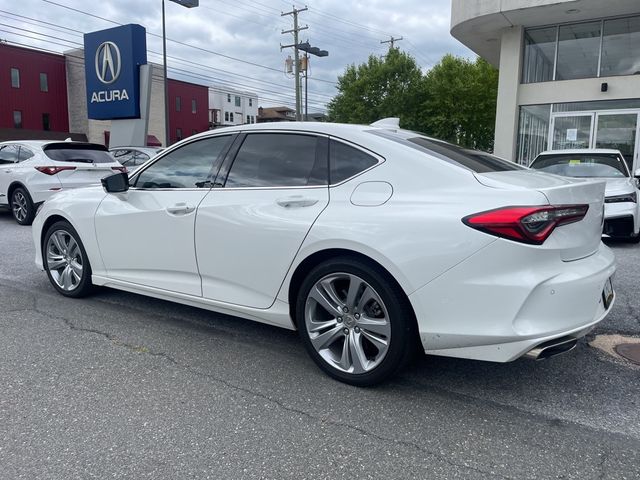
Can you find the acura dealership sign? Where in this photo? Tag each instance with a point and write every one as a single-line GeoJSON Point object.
{"type": "Point", "coordinates": [112, 61]}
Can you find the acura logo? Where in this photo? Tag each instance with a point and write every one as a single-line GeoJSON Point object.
{"type": "Point", "coordinates": [108, 62]}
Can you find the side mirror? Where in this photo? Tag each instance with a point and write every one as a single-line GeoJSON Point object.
{"type": "Point", "coordinates": [116, 183]}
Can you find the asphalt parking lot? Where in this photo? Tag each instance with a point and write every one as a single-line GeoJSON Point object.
{"type": "Point", "coordinates": [119, 385]}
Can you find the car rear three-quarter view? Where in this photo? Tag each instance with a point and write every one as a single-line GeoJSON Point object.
{"type": "Point", "coordinates": [371, 241]}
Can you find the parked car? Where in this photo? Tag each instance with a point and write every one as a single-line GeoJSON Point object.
{"type": "Point", "coordinates": [31, 171]}
{"type": "Point", "coordinates": [621, 212]}
{"type": "Point", "coordinates": [369, 240]}
{"type": "Point", "coordinates": [134, 157]}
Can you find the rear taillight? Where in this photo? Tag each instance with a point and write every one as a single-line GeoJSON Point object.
{"type": "Point", "coordinates": [120, 169]}
{"type": "Point", "coordinates": [525, 224]}
{"type": "Point", "coordinates": [53, 170]}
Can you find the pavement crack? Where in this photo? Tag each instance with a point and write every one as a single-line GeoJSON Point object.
{"type": "Point", "coordinates": [279, 404]}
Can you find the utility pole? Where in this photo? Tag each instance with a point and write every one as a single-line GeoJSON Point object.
{"type": "Point", "coordinates": [391, 41]}
{"type": "Point", "coordinates": [296, 61]}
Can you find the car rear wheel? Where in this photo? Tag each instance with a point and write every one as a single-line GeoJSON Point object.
{"type": "Point", "coordinates": [355, 322]}
{"type": "Point", "coordinates": [22, 206]}
{"type": "Point", "coordinates": [65, 261]}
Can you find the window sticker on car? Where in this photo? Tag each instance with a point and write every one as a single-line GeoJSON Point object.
{"type": "Point", "coordinates": [574, 162]}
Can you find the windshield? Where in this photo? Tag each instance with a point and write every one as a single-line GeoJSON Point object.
{"type": "Point", "coordinates": [79, 152]}
{"type": "Point", "coordinates": [474, 160]}
{"type": "Point", "coordinates": [582, 165]}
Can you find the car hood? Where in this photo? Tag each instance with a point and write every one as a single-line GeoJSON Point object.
{"type": "Point", "coordinates": [618, 186]}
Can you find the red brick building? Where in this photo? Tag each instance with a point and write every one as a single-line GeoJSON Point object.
{"type": "Point", "coordinates": [33, 90]}
{"type": "Point", "coordinates": [188, 109]}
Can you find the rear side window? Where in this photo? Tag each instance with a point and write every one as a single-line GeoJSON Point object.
{"type": "Point", "coordinates": [278, 160]}
{"type": "Point", "coordinates": [474, 160]}
{"type": "Point", "coordinates": [346, 161]}
{"type": "Point", "coordinates": [80, 152]}
{"type": "Point", "coordinates": [25, 154]}
{"type": "Point", "coordinates": [188, 166]}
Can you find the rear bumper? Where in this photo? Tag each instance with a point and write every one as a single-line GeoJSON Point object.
{"type": "Point", "coordinates": [506, 300]}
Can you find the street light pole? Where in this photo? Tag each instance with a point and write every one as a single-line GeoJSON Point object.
{"type": "Point", "coordinates": [184, 3]}
{"type": "Point", "coordinates": [166, 82]}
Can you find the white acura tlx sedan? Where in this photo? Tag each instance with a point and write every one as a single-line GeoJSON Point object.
{"type": "Point", "coordinates": [371, 241]}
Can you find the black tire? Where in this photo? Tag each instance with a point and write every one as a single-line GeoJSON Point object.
{"type": "Point", "coordinates": [22, 207]}
{"type": "Point", "coordinates": [78, 287]}
{"type": "Point", "coordinates": [403, 339]}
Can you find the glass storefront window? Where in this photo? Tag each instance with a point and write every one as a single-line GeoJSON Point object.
{"type": "Point", "coordinates": [539, 54]}
{"type": "Point", "coordinates": [572, 132]}
{"type": "Point", "coordinates": [621, 47]}
{"type": "Point", "coordinates": [578, 51]}
{"type": "Point", "coordinates": [533, 130]}
{"type": "Point", "coordinates": [582, 50]}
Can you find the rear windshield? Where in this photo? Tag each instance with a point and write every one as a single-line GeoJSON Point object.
{"type": "Point", "coordinates": [474, 160]}
{"type": "Point", "coordinates": [80, 152]}
{"type": "Point", "coordinates": [582, 165]}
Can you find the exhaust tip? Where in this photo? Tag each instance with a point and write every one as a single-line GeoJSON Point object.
{"type": "Point", "coordinates": [552, 348]}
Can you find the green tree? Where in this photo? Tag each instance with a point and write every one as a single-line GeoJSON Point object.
{"type": "Point", "coordinates": [383, 87]}
{"type": "Point", "coordinates": [460, 102]}
{"type": "Point", "coordinates": [454, 101]}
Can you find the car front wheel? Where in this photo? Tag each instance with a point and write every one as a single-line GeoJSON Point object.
{"type": "Point", "coordinates": [65, 261]}
{"type": "Point", "coordinates": [355, 322]}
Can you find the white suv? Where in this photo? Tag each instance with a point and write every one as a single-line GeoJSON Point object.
{"type": "Point", "coordinates": [32, 171]}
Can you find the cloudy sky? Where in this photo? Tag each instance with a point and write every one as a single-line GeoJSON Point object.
{"type": "Point", "coordinates": [237, 42]}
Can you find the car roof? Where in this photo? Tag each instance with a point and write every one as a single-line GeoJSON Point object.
{"type": "Point", "coordinates": [577, 151]}
{"type": "Point", "coordinates": [317, 127]}
{"type": "Point", "coordinates": [41, 143]}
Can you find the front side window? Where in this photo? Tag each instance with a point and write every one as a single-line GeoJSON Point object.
{"type": "Point", "coordinates": [189, 166]}
{"type": "Point", "coordinates": [17, 119]}
{"type": "Point", "coordinates": [9, 154]}
{"type": "Point", "coordinates": [582, 165]}
{"type": "Point", "coordinates": [44, 82]}
{"type": "Point", "coordinates": [346, 161]}
{"type": "Point", "coordinates": [15, 78]}
{"type": "Point", "coordinates": [278, 160]}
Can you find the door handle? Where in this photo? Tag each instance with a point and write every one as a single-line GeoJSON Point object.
{"type": "Point", "coordinates": [180, 209]}
{"type": "Point", "coordinates": [296, 201]}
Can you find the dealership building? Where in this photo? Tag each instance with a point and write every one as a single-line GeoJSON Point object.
{"type": "Point", "coordinates": [569, 72]}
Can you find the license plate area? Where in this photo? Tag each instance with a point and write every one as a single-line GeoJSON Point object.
{"type": "Point", "coordinates": [607, 293]}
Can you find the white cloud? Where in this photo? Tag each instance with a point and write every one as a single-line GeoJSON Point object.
{"type": "Point", "coordinates": [249, 30]}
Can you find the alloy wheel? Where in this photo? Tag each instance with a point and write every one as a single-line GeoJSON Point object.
{"type": "Point", "coordinates": [64, 260]}
{"type": "Point", "coordinates": [20, 206]}
{"type": "Point", "coordinates": [347, 323]}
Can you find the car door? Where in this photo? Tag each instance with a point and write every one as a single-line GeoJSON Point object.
{"type": "Point", "coordinates": [146, 235]}
{"type": "Point", "coordinates": [270, 191]}
{"type": "Point", "coordinates": [9, 157]}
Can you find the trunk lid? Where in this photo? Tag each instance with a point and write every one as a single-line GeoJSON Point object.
{"type": "Point", "coordinates": [575, 240]}
{"type": "Point", "coordinates": [88, 162]}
